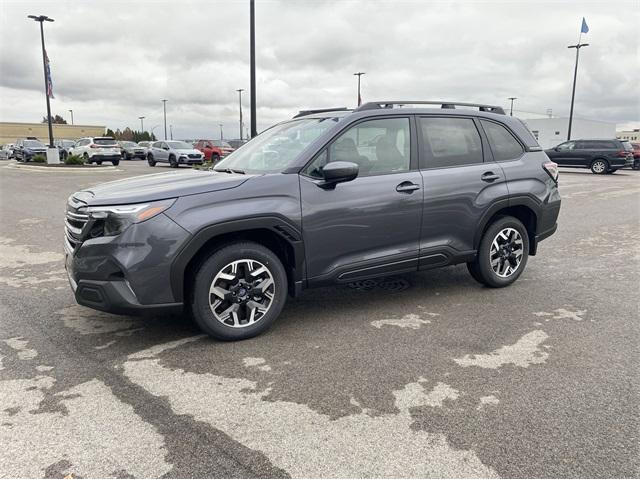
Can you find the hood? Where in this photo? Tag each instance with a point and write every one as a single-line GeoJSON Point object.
{"type": "Point", "coordinates": [159, 187]}
{"type": "Point", "coordinates": [186, 151]}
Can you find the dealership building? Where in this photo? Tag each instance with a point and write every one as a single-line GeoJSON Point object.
{"type": "Point", "coordinates": [11, 131]}
{"type": "Point", "coordinates": [552, 131]}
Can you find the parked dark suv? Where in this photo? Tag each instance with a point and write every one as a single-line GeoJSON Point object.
{"type": "Point", "coordinates": [25, 150]}
{"type": "Point", "coordinates": [601, 156]}
{"type": "Point", "coordinates": [331, 196]}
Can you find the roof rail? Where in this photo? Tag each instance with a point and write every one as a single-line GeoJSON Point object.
{"type": "Point", "coordinates": [322, 110]}
{"type": "Point", "coordinates": [443, 104]}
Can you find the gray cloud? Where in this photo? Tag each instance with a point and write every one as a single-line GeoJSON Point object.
{"type": "Point", "coordinates": [114, 61]}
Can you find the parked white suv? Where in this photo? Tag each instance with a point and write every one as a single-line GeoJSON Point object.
{"type": "Point", "coordinates": [97, 149]}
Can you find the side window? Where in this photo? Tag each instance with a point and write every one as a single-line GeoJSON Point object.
{"type": "Point", "coordinates": [450, 142]}
{"type": "Point", "coordinates": [567, 145]}
{"type": "Point", "coordinates": [157, 144]}
{"type": "Point", "coordinates": [376, 146]}
{"type": "Point", "coordinates": [503, 145]}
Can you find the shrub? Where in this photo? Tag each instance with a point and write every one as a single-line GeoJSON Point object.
{"type": "Point", "coordinates": [39, 159]}
{"type": "Point", "coordinates": [207, 165]}
{"type": "Point", "coordinates": [74, 160]}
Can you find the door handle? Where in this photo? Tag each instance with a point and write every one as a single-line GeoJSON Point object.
{"type": "Point", "coordinates": [489, 176]}
{"type": "Point", "coordinates": [407, 187]}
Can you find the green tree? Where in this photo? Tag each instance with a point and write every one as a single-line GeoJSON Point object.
{"type": "Point", "coordinates": [57, 119]}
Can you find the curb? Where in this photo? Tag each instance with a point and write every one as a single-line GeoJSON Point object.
{"type": "Point", "coordinates": [17, 166]}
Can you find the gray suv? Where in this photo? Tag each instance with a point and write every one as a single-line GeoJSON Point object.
{"type": "Point", "coordinates": [331, 196]}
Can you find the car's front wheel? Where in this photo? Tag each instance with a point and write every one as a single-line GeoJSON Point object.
{"type": "Point", "coordinates": [503, 253]}
{"type": "Point", "coordinates": [173, 163]}
{"type": "Point", "coordinates": [151, 161]}
{"type": "Point", "coordinates": [238, 291]}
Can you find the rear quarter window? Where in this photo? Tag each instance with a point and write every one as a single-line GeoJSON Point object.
{"type": "Point", "coordinates": [503, 144]}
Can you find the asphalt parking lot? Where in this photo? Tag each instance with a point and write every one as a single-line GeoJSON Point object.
{"type": "Point", "coordinates": [423, 375]}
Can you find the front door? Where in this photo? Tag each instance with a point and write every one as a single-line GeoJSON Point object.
{"type": "Point", "coordinates": [369, 226]}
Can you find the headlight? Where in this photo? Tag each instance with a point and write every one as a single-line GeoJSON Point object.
{"type": "Point", "coordinates": [113, 220]}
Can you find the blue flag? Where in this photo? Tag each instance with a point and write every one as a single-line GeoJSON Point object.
{"type": "Point", "coordinates": [585, 27]}
{"type": "Point", "coordinates": [48, 70]}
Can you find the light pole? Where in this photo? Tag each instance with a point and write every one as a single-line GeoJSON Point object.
{"type": "Point", "coordinates": [359, 74]}
{"type": "Point", "coordinates": [252, 41]}
{"type": "Point", "coordinates": [512, 98]}
{"type": "Point", "coordinates": [151, 135]}
{"type": "Point", "coordinates": [141, 118]}
{"type": "Point", "coordinates": [164, 109]}
{"type": "Point", "coordinates": [220, 124]}
{"type": "Point", "coordinates": [47, 90]}
{"type": "Point", "coordinates": [240, 90]}
{"type": "Point", "coordinates": [578, 46]}
{"type": "Point", "coordinates": [171, 131]}
{"type": "Point", "coordinates": [71, 111]}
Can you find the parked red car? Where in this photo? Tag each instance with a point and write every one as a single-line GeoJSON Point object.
{"type": "Point", "coordinates": [213, 150]}
{"type": "Point", "coordinates": [636, 156]}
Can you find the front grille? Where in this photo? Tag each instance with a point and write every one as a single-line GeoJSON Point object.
{"type": "Point", "coordinates": [74, 223]}
{"type": "Point", "coordinates": [194, 155]}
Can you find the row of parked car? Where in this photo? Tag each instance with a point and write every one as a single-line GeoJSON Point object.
{"type": "Point", "coordinates": [107, 149]}
{"type": "Point", "coordinates": [600, 156]}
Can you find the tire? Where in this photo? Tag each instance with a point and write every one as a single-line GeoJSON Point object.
{"type": "Point", "coordinates": [636, 165]}
{"type": "Point", "coordinates": [250, 257]}
{"type": "Point", "coordinates": [64, 155]}
{"type": "Point", "coordinates": [151, 161]}
{"type": "Point", "coordinates": [86, 159]}
{"type": "Point", "coordinates": [172, 162]}
{"type": "Point", "coordinates": [98, 162]}
{"type": "Point", "coordinates": [599, 166]}
{"type": "Point", "coordinates": [115, 162]}
{"type": "Point", "coordinates": [214, 159]}
{"type": "Point", "coordinates": [505, 230]}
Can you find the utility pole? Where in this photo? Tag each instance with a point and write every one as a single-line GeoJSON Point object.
{"type": "Point", "coordinates": [359, 74]}
{"type": "Point", "coordinates": [252, 41]}
{"type": "Point", "coordinates": [578, 46]}
{"type": "Point", "coordinates": [221, 138]}
{"type": "Point", "coordinates": [164, 108]}
{"type": "Point", "coordinates": [512, 98]}
{"type": "Point", "coordinates": [42, 19]}
{"type": "Point", "coordinates": [71, 111]}
{"type": "Point", "coordinates": [141, 118]}
{"type": "Point", "coordinates": [240, 90]}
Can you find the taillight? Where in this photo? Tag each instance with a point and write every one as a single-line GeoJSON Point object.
{"type": "Point", "coordinates": [552, 170]}
{"type": "Point", "coordinates": [94, 146]}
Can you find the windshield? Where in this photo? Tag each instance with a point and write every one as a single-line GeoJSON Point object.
{"type": "Point", "coordinates": [128, 144]}
{"type": "Point", "coordinates": [221, 143]}
{"type": "Point", "coordinates": [33, 144]}
{"type": "Point", "coordinates": [276, 148]}
{"type": "Point", "coordinates": [179, 145]}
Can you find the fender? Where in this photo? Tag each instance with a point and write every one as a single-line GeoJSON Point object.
{"type": "Point", "coordinates": [529, 201]}
{"type": "Point", "coordinates": [279, 225]}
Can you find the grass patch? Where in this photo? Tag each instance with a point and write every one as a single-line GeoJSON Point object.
{"type": "Point", "coordinates": [39, 159]}
{"type": "Point", "coordinates": [74, 160]}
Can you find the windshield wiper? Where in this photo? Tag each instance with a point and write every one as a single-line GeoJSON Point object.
{"type": "Point", "coordinates": [229, 170]}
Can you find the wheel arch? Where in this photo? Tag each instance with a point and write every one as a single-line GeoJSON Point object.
{"type": "Point", "coordinates": [274, 233]}
{"type": "Point", "coordinates": [524, 209]}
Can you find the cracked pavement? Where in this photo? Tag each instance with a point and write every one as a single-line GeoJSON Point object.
{"type": "Point", "coordinates": [421, 375]}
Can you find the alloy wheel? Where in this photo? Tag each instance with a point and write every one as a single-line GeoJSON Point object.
{"type": "Point", "coordinates": [598, 166]}
{"type": "Point", "coordinates": [241, 293]}
{"type": "Point", "coordinates": [506, 252]}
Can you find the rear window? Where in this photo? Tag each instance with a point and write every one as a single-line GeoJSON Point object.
{"type": "Point", "coordinates": [220, 143]}
{"type": "Point", "coordinates": [33, 144]}
{"type": "Point", "coordinates": [105, 141]}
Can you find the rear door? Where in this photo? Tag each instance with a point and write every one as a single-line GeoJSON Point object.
{"type": "Point", "coordinates": [460, 183]}
{"type": "Point", "coordinates": [369, 226]}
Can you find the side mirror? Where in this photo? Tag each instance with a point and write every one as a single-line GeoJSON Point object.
{"type": "Point", "coordinates": [338, 172]}
{"type": "Point", "coordinates": [165, 148]}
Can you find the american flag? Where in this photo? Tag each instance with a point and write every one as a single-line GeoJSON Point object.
{"type": "Point", "coordinates": [49, 82]}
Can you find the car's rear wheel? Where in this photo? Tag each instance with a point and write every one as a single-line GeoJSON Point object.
{"type": "Point", "coordinates": [238, 291]}
{"type": "Point", "coordinates": [86, 158]}
{"type": "Point", "coordinates": [173, 163]}
{"type": "Point", "coordinates": [150, 160]}
{"type": "Point", "coordinates": [503, 253]}
{"type": "Point", "coordinates": [115, 162]}
{"type": "Point", "coordinates": [599, 166]}
{"type": "Point", "coordinates": [215, 158]}
{"type": "Point", "coordinates": [64, 155]}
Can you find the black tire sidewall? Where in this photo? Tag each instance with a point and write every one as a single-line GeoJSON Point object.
{"type": "Point", "coordinates": [199, 297]}
{"type": "Point", "coordinates": [483, 265]}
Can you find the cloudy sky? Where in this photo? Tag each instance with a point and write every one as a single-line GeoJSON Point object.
{"type": "Point", "coordinates": [113, 61]}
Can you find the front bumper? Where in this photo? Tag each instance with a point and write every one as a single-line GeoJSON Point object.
{"type": "Point", "coordinates": [185, 160]}
{"type": "Point", "coordinates": [129, 273]}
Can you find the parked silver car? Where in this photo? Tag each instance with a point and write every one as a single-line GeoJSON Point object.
{"type": "Point", "coordinates": [6, 152]}
{"type": "Point", "coordinates": [175, 153]}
